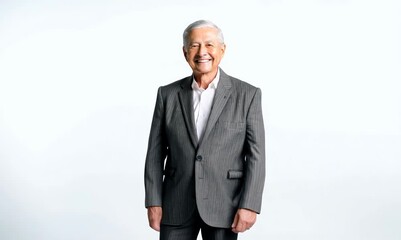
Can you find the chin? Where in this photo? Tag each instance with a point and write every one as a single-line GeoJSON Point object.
{"type": "Point", "coordinates": [205, 69]}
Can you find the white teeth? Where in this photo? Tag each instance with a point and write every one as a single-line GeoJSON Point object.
{"type": "Point", "coordinates": [203, 60]}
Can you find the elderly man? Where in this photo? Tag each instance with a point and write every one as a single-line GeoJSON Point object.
{"type": "Point", "coordinates": [205, 164]}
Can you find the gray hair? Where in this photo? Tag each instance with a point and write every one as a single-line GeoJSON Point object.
{"type": "Point", "coordinates": [201, 24]}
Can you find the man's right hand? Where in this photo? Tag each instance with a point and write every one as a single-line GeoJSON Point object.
{"type": "Point", "coordinates": [155, 217]}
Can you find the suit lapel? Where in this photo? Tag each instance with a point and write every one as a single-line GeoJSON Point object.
{"type": "Point", "coordinates": [221, 96]}
{"type": "Point", "coordinates": [185, 97]}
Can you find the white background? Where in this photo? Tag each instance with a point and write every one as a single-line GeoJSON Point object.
{"type": "Point", "coordinates": [78, 82]}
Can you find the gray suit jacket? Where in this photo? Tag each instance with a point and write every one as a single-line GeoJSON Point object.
{"type": "Point", "coordinates": [223, 171]}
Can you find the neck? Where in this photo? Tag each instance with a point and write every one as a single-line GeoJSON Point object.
{"type": "Point", "coordinates": [204, 79]}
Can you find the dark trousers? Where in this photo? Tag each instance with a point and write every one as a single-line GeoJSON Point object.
{"type": "Point", "coordinates": [190, 231]}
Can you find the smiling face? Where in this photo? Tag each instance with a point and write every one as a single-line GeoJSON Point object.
{"type": "Point", "coordinates": [204, 51]}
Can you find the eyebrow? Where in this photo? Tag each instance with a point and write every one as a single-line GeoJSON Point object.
{"type": "Point", "coordinates": [208, 41]}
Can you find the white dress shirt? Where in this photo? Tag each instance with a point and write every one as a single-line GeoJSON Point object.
{"type": "Point", "coordinates": [202, 103]}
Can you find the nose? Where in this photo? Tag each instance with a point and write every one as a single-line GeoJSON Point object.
{"type": "Point", "coordinates": [202, 50]}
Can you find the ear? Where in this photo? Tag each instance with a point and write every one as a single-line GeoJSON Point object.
{"type": "Point", "coordinates": [184, 51]}
{"type": "Point", "coordinates": [223, 48]}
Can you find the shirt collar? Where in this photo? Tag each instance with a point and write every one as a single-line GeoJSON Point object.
{"type": "Point", "coordinates": [212, 84]}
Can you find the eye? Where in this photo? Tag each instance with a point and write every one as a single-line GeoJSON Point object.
{"type": "Point", "coordinates": [194, 45]}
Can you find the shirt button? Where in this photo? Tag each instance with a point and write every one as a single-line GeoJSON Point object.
{"type": "Point", "coordinates": [199, 158]}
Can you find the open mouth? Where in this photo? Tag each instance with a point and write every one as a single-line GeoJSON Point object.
{"type": "Point", "coordinates": [203, 60]}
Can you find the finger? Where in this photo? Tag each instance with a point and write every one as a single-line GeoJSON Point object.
{"type": "Point", "coordinates": [241, 226]}
{"type": "Point", "coordinates": [235, 222]}
{"type": "Point", "coordinates": [155, 225]}
{"type": "Point", "coordinates": [154, 217]}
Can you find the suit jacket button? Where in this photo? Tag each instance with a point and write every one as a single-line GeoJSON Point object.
{"type": "Point", "coordinates": [199, 158]}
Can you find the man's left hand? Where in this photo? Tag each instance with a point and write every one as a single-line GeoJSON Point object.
{"type": "Point", "coordinates": [243, 220]}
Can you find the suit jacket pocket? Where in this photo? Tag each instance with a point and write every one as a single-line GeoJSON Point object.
{"type": "Point", "coordinates": [235, 174]}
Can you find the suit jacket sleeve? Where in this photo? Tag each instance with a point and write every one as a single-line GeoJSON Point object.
{"type": "Point", "coordinates": [255, 156]}
{"type": "Point", "coordinates": [156, 154]}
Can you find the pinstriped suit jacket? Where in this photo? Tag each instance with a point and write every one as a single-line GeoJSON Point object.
{"type": "Point", "coordinates": [223, 171]}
